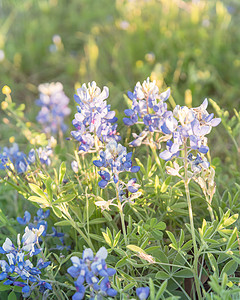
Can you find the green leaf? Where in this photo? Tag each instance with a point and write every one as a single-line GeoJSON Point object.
{"type": "Point", "coordinates": [173, 240]}
{"type": "Point", "coordinates": [64, 199]}
{"type": "Point", "coordinates": [213, 263]}
{"type": "Point", "coordinates": [162, 275]}
{"type": "Point", "coordinates": [129, 286]}
{"type": "Point", "coordinates": [232, 238]}
{"type": "Point", "coordinates": [62, 171]}
{"type": "Point", "coordinates": [164, 260]}
{"type": "Point", "coordinates": [116, 239]}
{"type": "Point", "coordinates": [165, 184]}
{"type": "Point", "coordinates": [152, 289]}
{"type": "Point", "coordinates": [63, 223]}
{"type": "Point", "coordinates": [12, 296]}
{"type": "Point", "coordinates": [57, 211]}
{"type": "Point", "coordinates": [181, 239]}
{"type": "Point", "coordinates": [229, 268]}
{"type": "Point", "coordinates": [36, 189]}
{"type": "Point", "coordinates": [97, 221]}
{"type": "Point", "coordinates": [48, 183]}
{"type": "Point", "coordinates": [5, 288]}
{"type": "Point", "coordinates": [107, 239]}
{"type": "Point", "coordinates": [142, 168]}
{"type": "Point", "coordinates": [107, 216]}
{"type": "Point", "coordinates": [186, 273]}
{"type": "Point", "coordinates": [39, 200]}
{"type": "Point", "coordinates": [149, 164]}
{"type": "Point", "coordinates": [121, 262]}
{"type": "Point", "coordinates": [136, 249]}
{"type": "Point", "coordinates": [161, 290]}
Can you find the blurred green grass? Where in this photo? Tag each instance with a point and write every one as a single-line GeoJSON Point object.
{"type": "Point", "coordinates": [191, 46]}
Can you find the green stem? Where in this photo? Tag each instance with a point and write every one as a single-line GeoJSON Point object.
{"type": "Point", "coordinates": [56, 291]}
{"type": "Point", "coordinates": [121, 215]}
{"type": "Point", "coordinates": [157, 160]}
{"type": "Point", "coordinates": [195, 249]}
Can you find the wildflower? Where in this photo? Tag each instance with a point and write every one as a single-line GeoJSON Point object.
{"type": "Point", "coordinates": [115, 160]}
{"type": "Point", "coordinates": [188, 127]}
{"type": "Point", "coordinates": [18, 270]}
{"type": "Point", "coordinates": [94, 120]}
{"type": "Point", "coordinates": [143, 293]}
{"type": "Point", "coordinates": [148, 108]}
{"type": "Point", "coordinates": [12, 155]}
{"type": "Point", "coordinates": [88, 271]}
{"type": "Point", "coordinates": [54, 107]}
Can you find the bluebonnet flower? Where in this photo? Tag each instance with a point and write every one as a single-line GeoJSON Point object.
{"type": "Point", "coordinates": [39, 220]}
{"type": "Point", "coordinates": [148, 108]}
{"type": "Point", "coordinates": [19, 160]}
{"type": "Point", "coordinates": [143, 293]}
{"type": "Point", "coordinates": [188, 127]}
{"type": "Point", "coordinates": [113, 161]}
{"type": "Point", "coordinates": [89, 271]}
{"type": "Point", "coordinates": [19, 271]}
{"type": "Point", "coordinates": [94, 120]}
{"type": "Point", "coordinates": [54, 107]}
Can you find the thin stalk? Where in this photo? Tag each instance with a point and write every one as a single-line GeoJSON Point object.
{"type": "Point", "coordinates": [56, 291]}
{"type": "Point", "coordinates": [195, 249]}
{"type": "Point", "coordinates": [119, 205]}
{"type": "Point", "coordinates": [157, 160]}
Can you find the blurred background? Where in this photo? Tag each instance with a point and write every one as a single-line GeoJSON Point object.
{"type": "Point", "coordinates": [191, 46]}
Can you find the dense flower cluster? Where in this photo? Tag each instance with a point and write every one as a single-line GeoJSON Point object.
{"type": "Point", "coordinates": [89, 271]}
{"type": "Point", "coordinates": [40, 220]}
{"type": "Point", "coordinates": [19, 159]}
{"type": "Point", "coordinates": [113, 161]}
{"type": "Point", "coordinates": [54, 107]}
{"type": "Point", "coordinates": [94, 120]}
{"type": "Point", "coordinates": [189, 124]}
{"type": "Point", "coordinates": [19, 270]}
{"type": "Point", "coordinates": [148, 108]}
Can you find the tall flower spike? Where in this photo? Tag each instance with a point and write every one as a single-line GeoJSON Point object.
{"type": "Point", "coordinates": [17, 268]}
{"type": "Point", "coordinates": [189, 125]}
{"type": "Point", "coordinates": [94, 120]}
{"type": "Point", "coordinates": [89, 271]}
{"type": "Point", "coordinates": [54, 107]}
{"type": "Point", "coordinates": [112, 162]}
{"type": "Point", "coordinates": [148, 108]}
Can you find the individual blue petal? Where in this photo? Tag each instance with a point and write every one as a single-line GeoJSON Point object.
{"type": "Point", "coordinates": [98, 163]}
{"type": "Point", "coordinates": [135, 169]}
{"type": "Point", "coordinates": [166, 155]}
{"type": "Point", "coordinates": [165, 129]}
{"type": "Point", "coordinates": [128, 112]}
{"type": "Point", "coordinates": [78, 296]}
{"type": "Point", "coordinates": [165, 95]}
{"type": "Point", "coordinates": [102, 253]}
{"type": "Point", "coordinates": [143, 293]}
{"type": "Point", "coordinates": [3, 275]}
{"type": "Point", "coordinates": [73, 271]}
{"type": "Point", "coordinates": [103, 183]}
{"type": "Point", "coordinates": [215, 122]}
{"type": "Point", "coordinates": [87, 254]}
{"type": "Point", "coordinates": [128, 122]}
{"type": "Point", "coordinates": [111, 292]}
{"type": "Point", "coordinates": [111, 271]}
{"type": "Point", "coordinates": [130, 95]}
{"type": "Point", "coordinates": [203, 149]}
